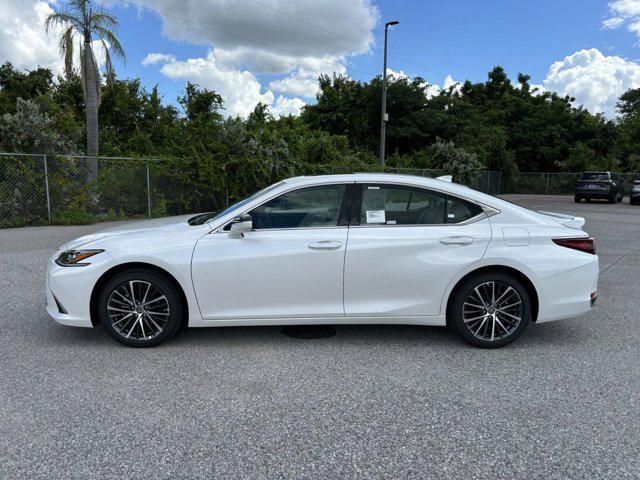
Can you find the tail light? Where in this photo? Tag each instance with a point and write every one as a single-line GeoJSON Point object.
{"type": "Point", "coordinates": [584, 244]}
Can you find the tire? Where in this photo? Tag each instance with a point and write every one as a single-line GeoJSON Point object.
{"type": "Point", "coordinates": [620, 198]}
{"type": "Point", "coordinates": [588, 200]}
{"type": "Point", "coordinates": [505, 330]}
{"type": "Point", "coordinates": [126, 317]}
{"type": "Point", "coordinates": [577, 199]}
{"type": "Point", "coordinates": [612, 199]}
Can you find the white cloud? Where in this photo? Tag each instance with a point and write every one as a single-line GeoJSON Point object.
{"type": "Point", "coordinates": [396, 75]}
{"type": "Point", "coordinates": [625, 8]}
{"type": "Point", "coordinates": [154, 58]}
{"type": "Point", "coordinates": [240, 89]}
{"type": "Point", "coordinates": [260, 40]}
{"type": "Point", "coordinates": [284, 106]}
{"type": "Point", "coordinates": [613, 22]}
{"type": "Point", "coordinates": [23, 40]}
{"type": "Point", "coordinates": [296, 85]}
{"type": "Point", "coordinates": [595, 80]}
{"type": "Point", "coordinates": [624, 12]}
{"type": "Point", "coordinates": [250, 25]}
{"type": "Point", "coordinates": [433, 89]}
{"type": "Point", "coordinates": [304, 80]}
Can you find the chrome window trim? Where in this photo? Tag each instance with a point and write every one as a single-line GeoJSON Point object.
{"type": "Point", "coordinates": [293, 189]}
{"type": "Point", "coordinates": [477, 218]}
{"type": "Point", "coordinates": [487, 211]}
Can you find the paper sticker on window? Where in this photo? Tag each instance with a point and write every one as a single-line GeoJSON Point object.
{"type": "Point", "coordinates": [375, 216]}
{"type": "Point", "coordinates": [451, 215]}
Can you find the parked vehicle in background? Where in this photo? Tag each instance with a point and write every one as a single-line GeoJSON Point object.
{"type": "Point", "coordinates": [343, 249]}
{"type": "Point", "coordinates": [634, 198]}
{"type": "Point", "coordinates": [597, 185]}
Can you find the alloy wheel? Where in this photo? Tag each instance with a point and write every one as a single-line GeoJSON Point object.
{"type": "Point", "coordinates": [492, 311]}
{"type": "Point", "coordinates": [138, 310]}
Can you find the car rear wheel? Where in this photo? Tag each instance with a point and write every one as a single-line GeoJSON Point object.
{"type": "Point", "coordinates": [490, 310]}
{"type": "Point", "coordinates": [140, 308]}
{"type": "Point", "coordinates": [577, 199]}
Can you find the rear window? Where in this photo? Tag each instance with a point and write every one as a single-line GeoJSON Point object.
{"type": "Point", "coordinates": [595, 176]}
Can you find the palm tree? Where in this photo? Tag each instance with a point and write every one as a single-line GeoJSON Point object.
{"type": "Point", "coordinates": [80, 19]}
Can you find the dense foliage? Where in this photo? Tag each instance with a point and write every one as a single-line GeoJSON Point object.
{"type": "Point", "coordinates": [493, 125]}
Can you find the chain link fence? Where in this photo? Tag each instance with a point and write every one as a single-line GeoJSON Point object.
{"type": "Point", "coordinates": [68, 190]}
{"type": "Point", "coordinates": [559, 183]}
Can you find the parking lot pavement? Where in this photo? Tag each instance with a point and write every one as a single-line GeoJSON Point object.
{"type": "Point", "coordinates": [368, 402]}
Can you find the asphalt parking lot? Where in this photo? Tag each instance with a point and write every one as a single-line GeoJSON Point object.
{"type": "Point", "coordinates": [368, 402]}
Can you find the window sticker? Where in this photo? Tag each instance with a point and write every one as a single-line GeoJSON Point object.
{"type": "Point", "coordinates": [451, 215]}
{"type": "Point", "coordinates": [391, 222]}
{"type": "Point", "coordinates": [373, 188]}
{"type": "Point", "coordinates": [375, 216]}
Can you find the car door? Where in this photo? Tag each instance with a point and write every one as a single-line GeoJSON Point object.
{"type": "Point", "coordinates": [405, 245]}
{"type": "Point", "coordinates": [290, 265]}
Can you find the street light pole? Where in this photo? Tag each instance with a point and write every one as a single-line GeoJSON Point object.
{"type": "Point", "coordinates": [383, 119]}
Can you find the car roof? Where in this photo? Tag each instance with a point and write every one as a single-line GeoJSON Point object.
{"type": "Point", "coordinates": [436, 184]}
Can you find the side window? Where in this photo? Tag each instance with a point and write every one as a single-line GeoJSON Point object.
{"type": "Point", "coordinates": [459, 210]}
{"type": "Point", "coordinates": [399, 205]}
{"type": "Point", "coordinates": [307, 207]}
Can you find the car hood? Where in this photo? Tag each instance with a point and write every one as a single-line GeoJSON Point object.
{"type": "Point", "coordinates": [146, 228]}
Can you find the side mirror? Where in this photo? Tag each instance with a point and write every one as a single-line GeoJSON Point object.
{"type": "Point", "coordinates": [240, 225]}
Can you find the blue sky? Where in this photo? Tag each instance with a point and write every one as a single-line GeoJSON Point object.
{"type": "Point", "coordinates": [595, 43]}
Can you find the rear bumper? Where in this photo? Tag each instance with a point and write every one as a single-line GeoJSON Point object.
{"type": "Point", "coordinates": [568, 294]}
{"type": "Point", "coordinates": [593, 193]}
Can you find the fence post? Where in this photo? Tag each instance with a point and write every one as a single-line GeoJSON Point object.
{"type": "Point", "coordinates": [499, 182]}
{"type": "Point", "coordinates": [148, 191]}
{"type": "Point", "coordinates": [547, 188]}
{"type": "Point", "coordinates": [46, 187]}
{"type": "Point", "coordinates": [488, 180]}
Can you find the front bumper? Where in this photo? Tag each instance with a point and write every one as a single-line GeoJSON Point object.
{"type": "Point", "coordinates": [72, 288]}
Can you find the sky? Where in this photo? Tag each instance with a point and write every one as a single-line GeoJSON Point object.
{"type": "Point", "coordinates": [272, 51]}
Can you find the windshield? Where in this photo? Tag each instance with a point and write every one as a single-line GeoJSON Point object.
{"type": "Point", "coordinates": [595, 176]}
{"type": "Point", "coordinates": [207, 217]}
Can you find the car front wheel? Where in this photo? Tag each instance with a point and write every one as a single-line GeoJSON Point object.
{"type": "Point", "coordinates": [140, 308]}
{"type": "Point", "coordinates": [490, 310]}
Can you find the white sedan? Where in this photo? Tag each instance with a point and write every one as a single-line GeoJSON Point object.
{"type": "Point", "coordinates": [340, 249]}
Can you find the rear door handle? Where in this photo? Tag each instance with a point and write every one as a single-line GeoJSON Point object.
{"type": "Point", "coordinates": [457, 240]}
{"type": "Point", "coordinates": [325, 245]}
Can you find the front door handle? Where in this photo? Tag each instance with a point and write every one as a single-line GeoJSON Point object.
{"type": "Point", "coordinates": [325, 245]}
{"type": "Point", "coordinates": [457, 240]}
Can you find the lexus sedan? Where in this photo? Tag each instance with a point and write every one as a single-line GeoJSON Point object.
{"type": "Point", "coordinates": [340, 249]}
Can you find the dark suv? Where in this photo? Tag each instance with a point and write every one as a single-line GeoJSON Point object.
{"type": "Point", "coordinates": [634, 198]}
{"type": "Point", "coordinates": [597, 185]}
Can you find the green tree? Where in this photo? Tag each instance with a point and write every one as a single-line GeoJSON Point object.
{"type": "Point", "coordinates": [79, 18]}
{"type": "Point", "coordinates": [629, 104]}
{"type": "Point", "coordinates": [28, 130]}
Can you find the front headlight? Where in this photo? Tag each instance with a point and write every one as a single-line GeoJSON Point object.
{"type": "Point", "coordinates": [75, 258]}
